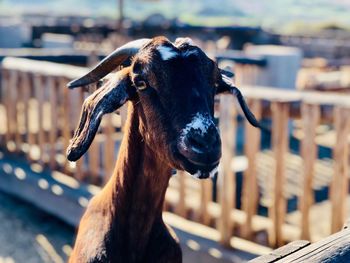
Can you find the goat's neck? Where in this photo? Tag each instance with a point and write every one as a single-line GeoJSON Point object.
{"type": "Point", "coordinates": [136, 189]}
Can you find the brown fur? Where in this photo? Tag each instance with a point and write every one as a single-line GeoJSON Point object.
{"type": "Point", "coordinates": [124, 222]}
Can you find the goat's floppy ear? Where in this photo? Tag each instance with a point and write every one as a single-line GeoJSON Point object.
{"type": "Point", "coordinates": [108, 98]}
{"type": "Point", "coordinates": [225, 85]}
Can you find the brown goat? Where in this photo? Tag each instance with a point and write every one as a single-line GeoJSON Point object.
{"type": "Point", "coordinates": [171, 89]}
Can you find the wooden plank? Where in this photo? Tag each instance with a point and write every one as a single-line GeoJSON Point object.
{"type": "Point", "coordinates": [310, 119]}
{"type": "Point", "coordinates": [238, 217]}
{"type": "Point", "coordinates": [226, 180]}
{"type": "Point", "coordinates": [280, 147]}
{"type": "Point", "coordinates": [340, 183]}
{"type": "Point", "coordinates": [335, 248]}
{"type": "Point", "coordinates": [282, 252]}
{"type": "Point", "coordinates": [310, 97]}
{"type": "Point", "coordinates": [43, 67]}
{"type": "Point", "coordinates": [250, 194]}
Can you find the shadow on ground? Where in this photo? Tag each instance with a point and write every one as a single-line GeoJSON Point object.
{"type": "Point", "coordinates": [29, 235]}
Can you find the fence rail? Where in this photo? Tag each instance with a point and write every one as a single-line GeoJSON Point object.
{"type": "Point", "coordinates": [40, 116]}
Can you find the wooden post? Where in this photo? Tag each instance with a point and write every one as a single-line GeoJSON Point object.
{"type": "Point", "coordinates": [31, 123]}
{"type": "Point", "coordinates": [250, 184]}
{"type": "Point", "coordinates": [12, 107]}
{"type": "Point", "coordinates": [109, 147]}
{"type": "Point", "coordinates": [65, 122]}
{"type": "Point", "coordinates": [4, 81]}
{"type": "Point", "coordinates": [340, 183]}
{"type": "Point", "coordinates": [26, 97]}
{"type": "Point", "coordinates": [79, 171]}
{"type": "Point", "coordinates": [226, 179]}
{"type": "Point", "coordinates": [39, 96]}
{"type": "Point", "coordinates": [52, 87]}
{"type": "Point", "coordinates": [280, 146]}
{"type": "Point", "coordinates": [19, 105]}
{"type": "Point", "coordinates": [181, 205]}
{"type": "Point", "coordinates": [310, 118]}
{"type": "Point", "coordinates": [206, 197]}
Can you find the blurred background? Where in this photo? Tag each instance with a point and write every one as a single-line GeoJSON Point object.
{"type": "Point", "coordinates": [291, 60]}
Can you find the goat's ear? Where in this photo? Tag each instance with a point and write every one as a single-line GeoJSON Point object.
{"type": "Point", "coordinates": [108, 98]}
{"type": "Point", "coordinates": [225, 85]}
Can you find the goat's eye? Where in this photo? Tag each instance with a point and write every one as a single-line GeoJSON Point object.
{"type": "Point", "coordinates": [141, 84]}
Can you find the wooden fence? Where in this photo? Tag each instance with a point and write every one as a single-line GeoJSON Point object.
{"type": "Point", "coordinates": [39, 116]}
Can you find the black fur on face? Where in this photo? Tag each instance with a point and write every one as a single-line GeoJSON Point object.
{"type": "Point", "coordinates": [175, 99]}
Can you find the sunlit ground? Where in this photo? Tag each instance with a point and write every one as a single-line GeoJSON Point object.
{"type": "Point", "coordinates": [29, 235]}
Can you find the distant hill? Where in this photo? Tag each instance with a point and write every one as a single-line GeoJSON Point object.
{"type": "Point", "coordinates": [275, 14]}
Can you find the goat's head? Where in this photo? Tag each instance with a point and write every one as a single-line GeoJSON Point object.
{"type": "Point", "coordinates": [172, 87]}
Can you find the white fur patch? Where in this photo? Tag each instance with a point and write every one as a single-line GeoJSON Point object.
{"type": "Point", "coordinates": [184, 40]}
{"type": "Point", "coordinates": [167, 52]}
{"type": "Point", "coordinates": [199, 122]}
{"type": "Point", "coordinates": [213, 172]}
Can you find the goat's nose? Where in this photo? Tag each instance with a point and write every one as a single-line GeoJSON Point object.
{"type": "Point", "coordinates": [201, 147]}
{"type": "Point", "coordinates": [202, 143]}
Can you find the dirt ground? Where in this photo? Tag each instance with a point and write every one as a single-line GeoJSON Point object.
{"type": "Point", "coordinates": [29, 235]}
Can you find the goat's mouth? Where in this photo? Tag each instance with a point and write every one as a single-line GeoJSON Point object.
{"type": "Point", "coordinates": [199, 170]}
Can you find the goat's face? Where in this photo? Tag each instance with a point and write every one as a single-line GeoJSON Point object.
{"type": "Point", "coordinates": [172, 87]}
{"type": "Point", "coordinates": [175, 89]}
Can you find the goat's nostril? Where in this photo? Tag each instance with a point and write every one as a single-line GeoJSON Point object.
{"type": "Point", "coordinates": [202, 143]}
{"type": "Point", "coordinates": [196, 142]}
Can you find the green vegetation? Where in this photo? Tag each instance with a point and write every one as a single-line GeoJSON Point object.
{"type": "Point", "coordinates": [279, 15]}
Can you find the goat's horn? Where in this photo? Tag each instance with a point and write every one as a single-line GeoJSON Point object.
{"type": "Point", "coordinates": [235, 91]}
{"type": "Point", "coordinates": [109, 63]}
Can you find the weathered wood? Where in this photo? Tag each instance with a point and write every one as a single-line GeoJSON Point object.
{"type": "Point", "coordinates": [335, 248]}
{"type": "Point", "coordinates": [43, 67]}
{"type": "Point", "coordinates": [310, 120]}
{"type": "Point", "coordinates": [226, 180]}
{"type": "Point", "coordinates": [281, 252]}
{"type": "Point", "coordinates": [340, 183]}
{"type": "Point", "coordinates": [250, 186]}
{"type": "Point", "coordinates": [277, 210]}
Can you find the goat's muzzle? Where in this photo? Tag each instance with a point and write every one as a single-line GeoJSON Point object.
{"type": "Point", "coordinates": [200, 145]}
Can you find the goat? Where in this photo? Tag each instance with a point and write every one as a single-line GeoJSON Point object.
{"type": "Point", "coordinates": [171, 89]}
